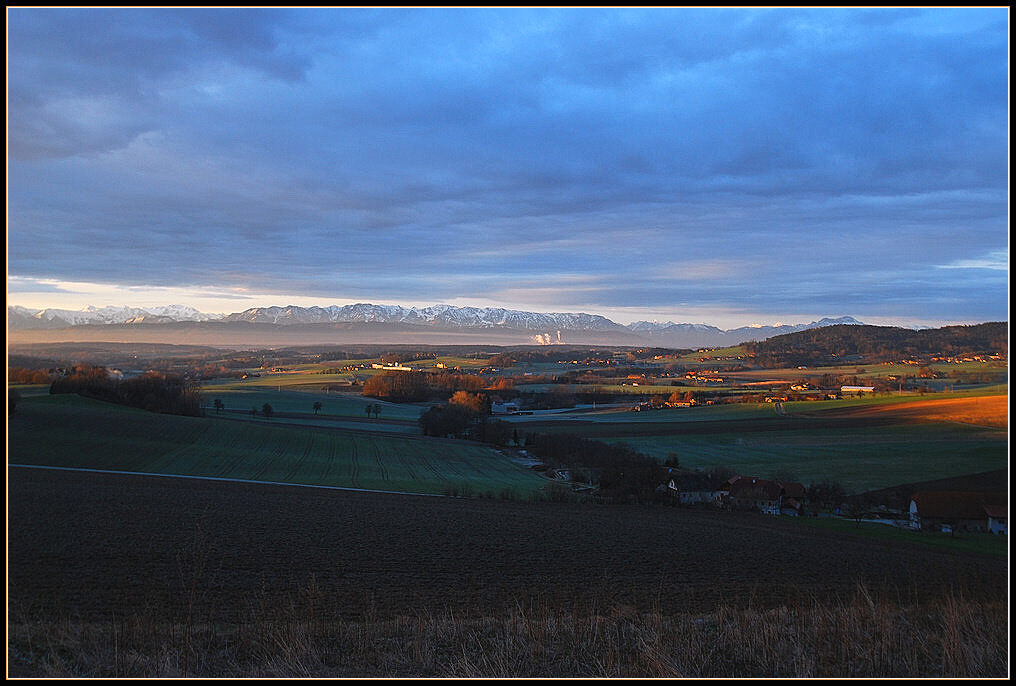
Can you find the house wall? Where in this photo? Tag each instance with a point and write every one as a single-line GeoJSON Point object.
{"type": "Point", "coordinates": [696, 497]}
{"type": "Point", "coordinates": [936, 523]}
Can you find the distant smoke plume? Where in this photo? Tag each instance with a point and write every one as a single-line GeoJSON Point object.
{"type": "Point", "coordinates": [547, 339]}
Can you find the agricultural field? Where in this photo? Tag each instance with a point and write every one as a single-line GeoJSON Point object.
{"type": "Point", "coordinates": [116, 575]}
{"type": "Point", "coordinates": [254, 571]}
{"type": "Point", "coordinates": [68, 431]}
{"type": "Point", "coordinates": [296, 399]}
{"type": "Point", "coordinates": [863, 444]}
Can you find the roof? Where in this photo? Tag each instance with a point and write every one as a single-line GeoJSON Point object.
{"type": "Point", "coordinates": [957, 504]}
{"type": "Point", "coordinates": [749, 484]}
{"type": "Point", "coordinates": [770, 489]}
{"type": "Point", "coordinates": [997, 511]}
{"type": "Point", "coordinates": [696, 482]}
{"type": "Point", "coordinates": [795, 490]}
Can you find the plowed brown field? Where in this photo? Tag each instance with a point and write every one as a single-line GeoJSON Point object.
{"type": "Point", "coordinates": [93, 546]}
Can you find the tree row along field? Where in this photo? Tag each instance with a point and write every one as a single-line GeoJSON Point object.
{"type": "Point", "coordinates": [67, 431]}
{"type": "Point", "coordinates": [862, 445]}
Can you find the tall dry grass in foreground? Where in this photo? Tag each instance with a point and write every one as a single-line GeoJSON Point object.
{"type": "Point", "coordinates": [866, 637]}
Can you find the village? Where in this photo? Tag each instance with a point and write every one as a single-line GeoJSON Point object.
{"type": "Point", "coordinates": [935, 511]}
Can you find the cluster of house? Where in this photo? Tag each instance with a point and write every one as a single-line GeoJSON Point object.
{"type": "Point", "coordinates": [738, 493]}
{"type": "Point", "coordinates": [947, 511]}
{"type": "Point", "coordinates": [951, 511]}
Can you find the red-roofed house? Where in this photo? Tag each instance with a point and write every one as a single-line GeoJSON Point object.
{"type": "Point", "coordinates": [768, 497]}
{"type": "Point", "coordinates": [958, 511]}
{"type": "Point", "coordinates": [997, 517]}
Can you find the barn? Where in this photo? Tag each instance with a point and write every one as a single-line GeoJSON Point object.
{"type": "Point", "coordinates": [958, 511]}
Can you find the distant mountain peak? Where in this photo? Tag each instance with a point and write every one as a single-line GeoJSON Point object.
{"type": "Point", "coordinates": [435, 315]}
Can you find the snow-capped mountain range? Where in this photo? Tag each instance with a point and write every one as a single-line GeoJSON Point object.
{"type": "Point", "coordinates": [545, 327]}
{"type": "Point", "coordinates": [22, 317]}
{"type": "Point", "coordinates": [437, 315]}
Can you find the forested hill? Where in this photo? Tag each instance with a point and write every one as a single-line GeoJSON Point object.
{"type": "Point", "coordinates": [864, 343]}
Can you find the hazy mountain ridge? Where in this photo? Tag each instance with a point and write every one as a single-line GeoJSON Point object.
{"type": "Point", "coordinates": [23, 317]}
{"type": "Point", "coordinates": [438, 315]}
{"type": "Point", "coordinates": [541, 327]}
{"type": "Point", "coordinates": [699, 335]}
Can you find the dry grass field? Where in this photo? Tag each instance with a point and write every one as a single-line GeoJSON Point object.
{"type": "Point", "coordinates": [990, 410]}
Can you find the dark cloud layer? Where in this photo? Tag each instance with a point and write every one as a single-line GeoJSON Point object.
{"type": "Point", "coordinates": [757, 162]}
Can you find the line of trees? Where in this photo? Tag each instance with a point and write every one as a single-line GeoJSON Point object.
{"type": "Point", "coordinates": [417, 386]}
{"type": "Point", "coordinates": [152, 391]}
{"type": "Point", "coordinates": [622, 471]}
{"type": "Point", "coordinates": [398, 387]}
{"type": "Point", "coordinates": [466, 415]}
{"type": "Point", "coordinates": [22, 375]}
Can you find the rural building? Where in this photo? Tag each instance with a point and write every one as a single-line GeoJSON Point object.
{"type": "Point", "coordinates": [792, 499]}
{"type": "Point", "coordinates": [958, 511]}
{"type": "Point", "coordinates": [766, 496]}
{"type": "Point", "coordinates": [696, 489]}
{"type": "Point", "coordinates": [997, 516]}
{"type": "Point", "coordinates": [503, 408]}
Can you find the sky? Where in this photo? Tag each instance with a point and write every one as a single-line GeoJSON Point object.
{"type": "Point", "coordinates": [722, 166]}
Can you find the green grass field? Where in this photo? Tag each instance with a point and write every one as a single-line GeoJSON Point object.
{"type": "Point", "coordinates": [294, 399]}
{"type": "Point", "coordinates": [342, 445]}
{"type": "Point", "coordinates": [68, 431]}
{"type": "Point", "coordinates": [859, 459]}
{"type": "Point", "coordinates": [753, 439]}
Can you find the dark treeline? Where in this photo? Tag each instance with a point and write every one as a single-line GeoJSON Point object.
{"type": "Point", "coordinates": [620, 470]}
{"type": "Point", "coordinates": [152, 391]}
{"type": "Point", "coordinates": [397, 387]}
{"type": "Point", "coordinates": [829, 345]}
{"type": "Point", "coordinates": [545, 354]}
{"type": "Point", "coordinates": [512, 358]}
{"type": "Point", "coordinates": [417, 386]}
{"type": "Point", "coordinates": [24, 375]}
{"type": "Point", "coordinates": [457, 421]}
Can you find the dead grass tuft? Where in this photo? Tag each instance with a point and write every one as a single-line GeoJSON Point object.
{"type": "Point", "coordinates": [870, 636]}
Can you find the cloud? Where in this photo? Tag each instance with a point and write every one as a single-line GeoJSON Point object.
{"type": "Point", "coordinates": [655, 155]}
{"type": "Point", "coordinates": [16, 284]}
{"type": "Point", "coordinates": [995, 261]}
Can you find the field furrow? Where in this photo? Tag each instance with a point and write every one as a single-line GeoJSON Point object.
{"type": "Point", "coordinates": [298, 465]}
